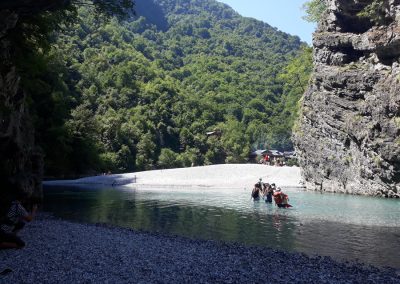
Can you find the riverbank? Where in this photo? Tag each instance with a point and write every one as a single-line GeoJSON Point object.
{"type": "Point", "coordinates": [217, 176]}
{"type": "Point", "coordinates": [58, 251]}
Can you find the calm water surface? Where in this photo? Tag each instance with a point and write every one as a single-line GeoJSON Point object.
{"type": "Point", "coordinates": [341, 226]}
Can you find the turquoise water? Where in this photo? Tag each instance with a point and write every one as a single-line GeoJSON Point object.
{"type": "Point", "coordinates": [341, 226]}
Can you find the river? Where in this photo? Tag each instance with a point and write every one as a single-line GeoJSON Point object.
{"type": "Point", "coordinates": [344, 227]}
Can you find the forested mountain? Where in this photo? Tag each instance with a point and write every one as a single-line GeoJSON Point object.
{"type": "Point", "coordinates": [142, 93]}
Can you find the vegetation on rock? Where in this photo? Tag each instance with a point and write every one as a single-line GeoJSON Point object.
{"type": "Point", "coordinates": [314, 10]}
{"type": "Point", "coordinates": [375, 11]}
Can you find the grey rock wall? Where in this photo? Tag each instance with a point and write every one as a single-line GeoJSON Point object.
{"type": "Point", "coordinates": [348, 135]}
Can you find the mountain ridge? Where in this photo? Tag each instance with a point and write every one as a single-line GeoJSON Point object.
{"type": "Point", "coordinates": [199, 66]}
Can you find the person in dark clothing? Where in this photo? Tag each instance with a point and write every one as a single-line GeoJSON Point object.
{"type": "Point", "coordinates": [13, 222]}
{"type": "Point", "coordinates": [256, 193]}
{"type": "Point", "coordinates": [268, 193]}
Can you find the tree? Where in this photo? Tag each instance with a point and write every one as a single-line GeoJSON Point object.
{"type": "Point", "coordinates": [83, 130]}
{"type": "Point", "coordinates": [314, 9]}
{"type": "Point", "coordinates": [295, 78]}
{"type": "Point", "coordinates": [154, 93]}
{"type": "Point", "coordinates": [145, 153]}
{"type": "Point", "coordinates": [168, 159]}
{"type": "Point", "coordinates": [234, 141]}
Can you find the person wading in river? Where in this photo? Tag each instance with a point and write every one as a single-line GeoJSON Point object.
{"type": "Point", "coordinates": [268, 193]}
{"type": "Point", "coordinates": [281, 199]}
{"type": "Point", "coordinates": [256, 193]}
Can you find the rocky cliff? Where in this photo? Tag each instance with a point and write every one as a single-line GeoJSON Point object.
{"type": "Point", "coordinates": [348, 135]}
{"type": "Point", "coordinates": [21, 161]}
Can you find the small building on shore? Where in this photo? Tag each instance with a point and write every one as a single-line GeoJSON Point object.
{"type": "Point", "coordinates": [257, 153]}
{"type": "Point", "coordinates": [289, 154]}
{"type": "Point", "coordinates": [274, 154]}
{"type": "Point", "coordinates": [272, 157]}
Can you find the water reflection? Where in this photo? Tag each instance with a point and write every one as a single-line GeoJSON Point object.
{"type": "Point", "coordinates": [344, 227]}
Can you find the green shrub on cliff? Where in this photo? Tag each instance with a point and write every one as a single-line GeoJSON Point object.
{"type": "Point", "coordinates": [315, 10]}
{"type": "Point", "coordinates": [375, 12]}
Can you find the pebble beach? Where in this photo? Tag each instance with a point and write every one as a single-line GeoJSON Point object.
{"type": "Point", "coordinates": [229, 176]}
{"type": "Point", "coordinates": [59, 251]}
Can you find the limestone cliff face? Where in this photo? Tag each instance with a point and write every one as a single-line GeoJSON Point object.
{"type": "Point", "coordinates": [348, 136]}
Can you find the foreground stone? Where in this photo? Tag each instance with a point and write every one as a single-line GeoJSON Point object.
{"type": "Point", "coordinates": [65, 252]}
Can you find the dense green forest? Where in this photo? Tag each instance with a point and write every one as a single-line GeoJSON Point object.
{"type": "Point", "coordinates": [141, 93]}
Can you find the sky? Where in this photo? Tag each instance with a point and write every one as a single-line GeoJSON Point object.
{"type": "Point", "coordinates": [286, 15]}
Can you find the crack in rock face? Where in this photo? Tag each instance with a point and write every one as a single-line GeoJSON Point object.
{"type": "Point", "coordinates": [348, 136]}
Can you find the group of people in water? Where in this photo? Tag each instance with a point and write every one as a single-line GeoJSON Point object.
{"type": "Point", "coordinates": [268, 192]}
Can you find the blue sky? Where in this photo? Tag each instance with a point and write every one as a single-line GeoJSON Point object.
{"type": "Point", "coordinates": [283, 14]}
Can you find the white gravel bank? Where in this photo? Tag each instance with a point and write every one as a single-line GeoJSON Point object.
{"type": "Point", "coordinates": [219, 176]}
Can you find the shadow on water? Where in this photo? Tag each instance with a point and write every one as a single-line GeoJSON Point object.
{"type": "Point", "coordinates": [205, 215]}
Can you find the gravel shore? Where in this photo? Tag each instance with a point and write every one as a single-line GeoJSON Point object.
{"type": "Point", "coordinates": [230, 176]}
{"type": "Point", "coordinates": [59, 251]}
